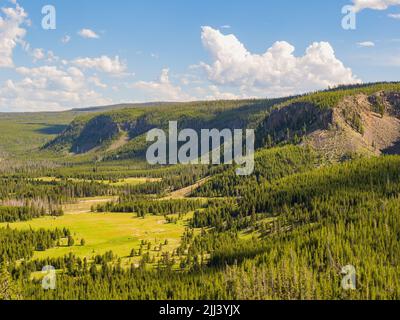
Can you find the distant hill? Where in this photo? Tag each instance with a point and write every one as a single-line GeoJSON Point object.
{"type": "Point", "coordinates": [360, 119]}
{"type": "Point", "coordinates": [120, 133]}
{"type": "Point", "coordinates": [122, 106]}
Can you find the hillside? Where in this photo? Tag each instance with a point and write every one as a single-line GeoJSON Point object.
{"type": "Point", "coordinates": [362, 120]}
{"type": "Point", "coordinates": [339, 122]}
{"type": "Point", "coordinates": [121, 132]}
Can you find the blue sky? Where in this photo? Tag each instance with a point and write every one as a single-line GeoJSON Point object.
{"type": "Point", "coordinates": [105, 52]}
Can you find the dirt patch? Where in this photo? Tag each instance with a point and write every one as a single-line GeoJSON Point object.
{"type": "Point", "coordinates": [85, 205]}
{"type": "Point", "coordinates": [185, 192]}
{"type": "Point", "coordinates": [120, 142]}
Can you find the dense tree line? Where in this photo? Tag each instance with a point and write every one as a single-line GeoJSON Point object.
{"type": "Point", "coordinates": [152, 207]}
{"type": "Point", "coordinates": [13, 214]}
{"type": "Point", "coordinates": [21, 244]}
{"type": "Point", "coordinates": [52, 192]}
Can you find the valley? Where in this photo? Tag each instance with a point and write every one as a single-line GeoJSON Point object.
{"type": "Point", "coordinates": [77, 193]}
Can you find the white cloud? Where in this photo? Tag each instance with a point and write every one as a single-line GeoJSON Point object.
{"type": "Point", "coordinates": [62, 85]}
{"type": "Point", "coordinates": [88, 34]}
{"type": "Point", "coordinates": [51, 57]}
{"type": "Point", "coordinates": [214, 93]}
{"type": "Point", "coordinates": [367, 44]}
{"type": "Point", "coordinates": [97, 82]}
{"type": "Point", "coordinates": [162, 90]}
{"type": "Point", "coordinates": [38, 54]}
{"type": "Point", "coordinates": [374, 4]}
{"type": "Point", "coordinates": [48, 88]}
{"type": "Point", "coordinates": [277, 71]}
{"type": "Point", "coordinates": [103, 64]}
{"type": "Point", "coordinates": [11, 33]}
{"type": "Point", "coordinates": [394, 16]}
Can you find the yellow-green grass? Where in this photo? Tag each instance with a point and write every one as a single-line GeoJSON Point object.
{"type": "Point", "coordinates": [119, 233]}
{"type": "Point", "coordinates": [23, 133]}
{"type": "Point", "coordinates": [133, 181]}
{"type": "Point", "coordinates": [121, 182]}
{"type": "Point", "coordinates": [84, 205]}
{"type": "Point", "coordinates": [249, 234]}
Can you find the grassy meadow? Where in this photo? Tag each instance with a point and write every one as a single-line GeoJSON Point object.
{"type": "Point", "coordinates": [102, 232]}
{"type": "Point", "coordinates": [118, 183]}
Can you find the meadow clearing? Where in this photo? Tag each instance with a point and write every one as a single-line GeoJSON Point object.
{"type": "Point", "coordinates": [103, 232]}
{"type": "Point", "coordinates": [117, 183]}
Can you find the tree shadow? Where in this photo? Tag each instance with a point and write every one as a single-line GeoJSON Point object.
{"type": "Point", "coordinates": [392, 150]}
{"type": "Point", "coordinates": [51, 129]}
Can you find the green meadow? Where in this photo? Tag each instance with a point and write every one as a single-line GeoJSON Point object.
{"type": "Point", "coordinates": [117, 232]}
{"type": "Point", "coordinates": [118, 183]}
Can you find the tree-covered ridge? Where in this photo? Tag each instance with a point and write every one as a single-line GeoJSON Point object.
{"type": "Point", "coordinates": [375, 177]}
{"type": "Point", "coordinates": [330, 98]}
{"type": "Point", "coordinates": [337, 122]}
{"type": "Point", "coordinates": [99, 130]}
{"type": "Point", "coordinates": [270, 165]}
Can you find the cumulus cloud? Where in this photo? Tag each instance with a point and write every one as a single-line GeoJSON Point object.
{"type": "Point", "coordinates": [11, 33]}
{"type": "Point", "coordinates": [374, 4]}
{"type": "Point", "coordinates": [59, 86]}
{"type": "Point", "coordinates": [97, 82]}
{"type": "Point", "coordinates": [103, 64]}
{"type": "Point", "coordinates": [48, 88]}
{"type": "Point", "coordinates": [213, 92]}
{"type": "Point", "coordinates": [38, 54]}
{"type": "Point", "coordinates": [162, 89]}
{"type": "Point", "coordinates": [276, 72]}
{"type": "Point", "coordinates": [367, 44]}
{"type": "Point", "coordinates": [88, 34]}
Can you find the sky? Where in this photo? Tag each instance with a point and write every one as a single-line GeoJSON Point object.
{"type": "Point", "coordinates": [108, 52]}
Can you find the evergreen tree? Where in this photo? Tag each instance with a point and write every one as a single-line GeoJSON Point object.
{"type": "Point", "coordinates": [8, 289]}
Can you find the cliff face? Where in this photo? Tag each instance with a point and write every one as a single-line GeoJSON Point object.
{"type": "Point", "coordinates": [357, 124]}
{"type": "Point", "coordinates": [295, 119]}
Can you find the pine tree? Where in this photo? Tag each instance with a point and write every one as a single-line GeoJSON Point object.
{"type": "Point", "coordinates": [8, 289]}
{"type": "Point", "coordinates": [71, 241]}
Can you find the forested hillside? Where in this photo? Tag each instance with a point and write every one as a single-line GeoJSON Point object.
{"type": "Point", "coordinates": [126, 128]}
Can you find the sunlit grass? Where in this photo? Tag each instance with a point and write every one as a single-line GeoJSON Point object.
{"type": "Point", "coordinates": [117, 232]}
